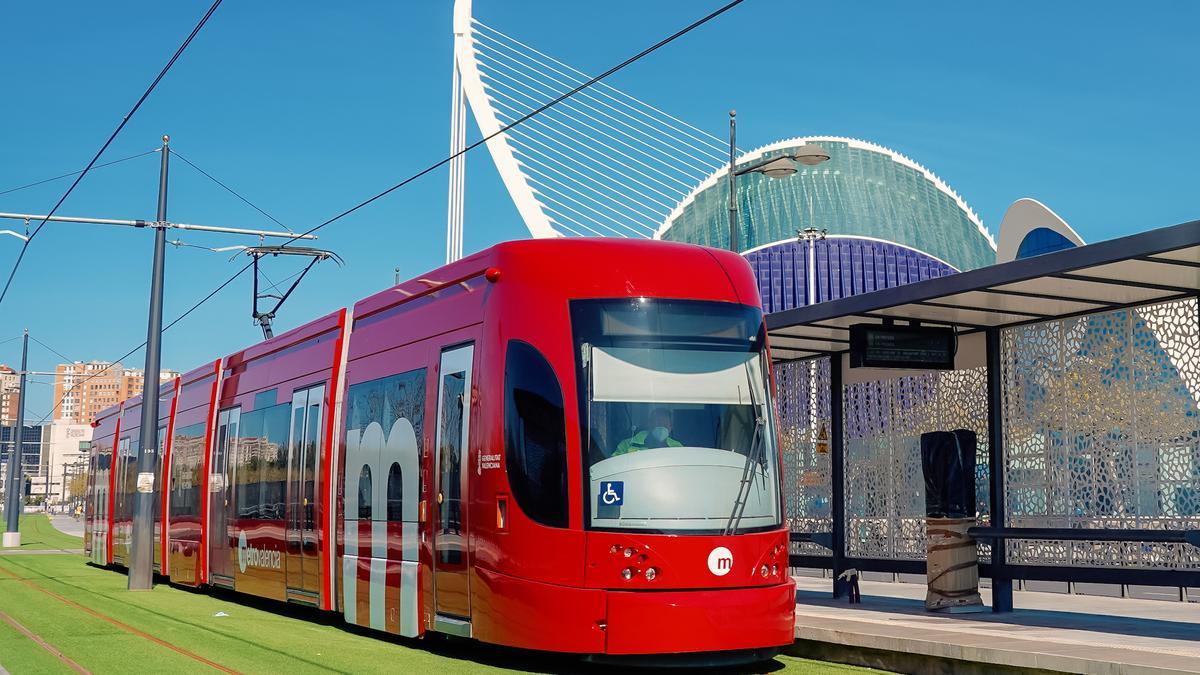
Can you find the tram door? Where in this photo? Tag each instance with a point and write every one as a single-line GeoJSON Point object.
{"type": "Point", "coordinates": [451, 590]}
{"type": "Point", "coordinates": [220, 496]}
{"type": "Point", "coordinates": [304, 449]}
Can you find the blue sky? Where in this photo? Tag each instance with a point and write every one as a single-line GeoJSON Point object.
{"type": "Point", "coordinates": [309, 107]}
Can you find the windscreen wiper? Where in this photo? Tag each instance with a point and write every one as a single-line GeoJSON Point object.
{"type": "Point", "coordinates": [752, 460]}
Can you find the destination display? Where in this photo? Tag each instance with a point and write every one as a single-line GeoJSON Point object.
{"type": "Point", "coordinates": [912, 347]}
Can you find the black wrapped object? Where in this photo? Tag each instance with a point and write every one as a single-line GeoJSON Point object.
{"type": "Point", "coordinates": [948, 464]}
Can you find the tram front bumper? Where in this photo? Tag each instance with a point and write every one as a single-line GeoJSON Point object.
{"type": "Point", "coordinates": [657, 622]}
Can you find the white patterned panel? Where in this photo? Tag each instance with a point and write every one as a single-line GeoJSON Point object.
{"type": "Point", "coordinates": [802, 413]}
{"type": "Point", "coordinates": [1101, 430]}
{"type": "Point", "coordinates": [885, 489]}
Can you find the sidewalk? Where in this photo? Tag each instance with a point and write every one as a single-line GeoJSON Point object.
{"type": "Point", "coordinates": [1078, 634]}
{"type": "Point", "coordinates": [67, 525]}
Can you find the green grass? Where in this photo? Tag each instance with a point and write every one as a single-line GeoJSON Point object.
{"type": "Point", "coordinates": [253, 637]}
{"type": "Point", "coordinates": [37, 534]}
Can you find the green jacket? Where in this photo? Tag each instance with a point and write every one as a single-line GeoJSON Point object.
{"type": "Point", "coordinates": [638, 442]}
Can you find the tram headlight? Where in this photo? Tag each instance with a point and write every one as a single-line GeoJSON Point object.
{"type": "Point", "coordinates": [627, 574]}
{"type": "Point", "coordinates": [651, 573]}
{"type": "Point", "coordinates": [629, 553]}
{"type": "Point", "coordinates": [763, 570]}
{"type": "Point", "coordinates": [774, 570]}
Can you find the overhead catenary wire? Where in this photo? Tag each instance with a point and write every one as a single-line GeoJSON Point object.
{"type": "Point", "coordinates": [596, 154]}
{"type": "Point", "coordinates": [533, 113]}
{"type": "Point", "coordinates": [429, 169]}
{"type": "Point", "coordinates": [72, 173]}
{"type": "Point", "coordinates": [230, 190]}
{"type": "Point", "coordinates": [124, 120]}
{"type": "Point", "coordinates": [135, 350]}
{"type": "Point", "coordinates": [52, 350]}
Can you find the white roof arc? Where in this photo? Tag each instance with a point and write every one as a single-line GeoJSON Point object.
{"type": "Point", "coordinates": [1024, 216]}
{"type": "Point", "coordinates": [851, 142]}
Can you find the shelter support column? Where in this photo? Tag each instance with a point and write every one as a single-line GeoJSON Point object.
{"type": "Point", "coordinates": [1002, 583]}
{"type": "Point", "coordinates": [837, 470]}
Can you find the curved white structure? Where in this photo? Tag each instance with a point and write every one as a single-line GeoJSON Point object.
{"type": "Point", "coordinates": [1024, 216]}
{"type": "Point", "coordinates": [599, 163]}
{"type": "Point", "coordinates": [857, 143]}
{"type": "Point", "coordinates": [468, 85]}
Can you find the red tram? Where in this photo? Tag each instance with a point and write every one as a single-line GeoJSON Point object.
{"type": "Point", "coordinates": [555, 445]}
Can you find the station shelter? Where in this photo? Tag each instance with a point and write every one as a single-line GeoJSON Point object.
{"type": "Point", "coordinates": [1079, 372]}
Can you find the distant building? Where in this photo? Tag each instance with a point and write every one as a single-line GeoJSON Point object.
{"type": "Point", "coordinates": [10, 391]}
{"type": "Point", "coordinates": [64, 448]}
{"type": "Point", "coordinates": [86, 388]}
{"type": "Point", "coordinates": [31, 450]}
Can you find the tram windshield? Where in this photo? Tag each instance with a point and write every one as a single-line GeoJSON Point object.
{"type": "Point", "coordinates": [677, 416]}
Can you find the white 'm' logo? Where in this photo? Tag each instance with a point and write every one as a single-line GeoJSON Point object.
{"type": "Point", "coordinates": [242, 552]}
{"type": "Point", "coordinates": [720, 561]}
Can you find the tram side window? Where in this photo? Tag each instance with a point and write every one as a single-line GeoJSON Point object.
{"type": "Point", "coordinates": [187, 467]}
{"type": "Point", "coordinates": [535, 435]}
{"type": "Point", "coordinates": [364, 493]}
{"type": "Point", "coordinates": [395, 494]}
{"type": "Point", "coordinates": [262, 462]}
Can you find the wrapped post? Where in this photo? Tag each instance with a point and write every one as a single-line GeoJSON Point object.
{"type": "Point", "coordinates": [952, 562]}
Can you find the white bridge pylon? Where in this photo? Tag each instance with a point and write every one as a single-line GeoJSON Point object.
{"type": "Point", "coordinates": [599, 164]}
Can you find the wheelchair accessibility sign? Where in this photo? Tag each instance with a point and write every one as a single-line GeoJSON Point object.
{"type": "Point", "coordinates": [612, 493]}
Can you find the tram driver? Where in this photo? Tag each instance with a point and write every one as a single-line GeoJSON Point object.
{"type": "Point", "coordinates": [657, 435]}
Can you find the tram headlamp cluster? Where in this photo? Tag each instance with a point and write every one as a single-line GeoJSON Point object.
{"type": "Point", "coordinates": [637, 564]}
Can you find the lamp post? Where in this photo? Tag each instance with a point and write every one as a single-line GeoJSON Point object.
{"type": "Point", "coordinates": [779, 166]}
{"type": "Point", "coordinates": [812, 235]}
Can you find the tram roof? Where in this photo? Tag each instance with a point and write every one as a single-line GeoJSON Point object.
{"type": "Point", "coordinates": [1148, 267]}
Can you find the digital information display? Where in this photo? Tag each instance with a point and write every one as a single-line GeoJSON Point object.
{"type": "Point", "coordinates": [912, 347]}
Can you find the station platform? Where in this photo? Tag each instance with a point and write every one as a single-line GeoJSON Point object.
{"type": "Point", "coordinates": [891, 630]}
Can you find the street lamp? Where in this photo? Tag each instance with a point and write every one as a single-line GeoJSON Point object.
{"type": "Point", "coordinates": [779, 166]}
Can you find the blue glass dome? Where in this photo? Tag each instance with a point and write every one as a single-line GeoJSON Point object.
{"type": "Point", "coordinates": [1042, 240]}
{"type": "Point", "coordinates": [844, 266]}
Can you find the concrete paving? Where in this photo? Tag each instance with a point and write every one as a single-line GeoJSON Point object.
{"type": "Point", "coordinates": [1049, 631]}
{"type": "Point", "coordinates": [68, 525]}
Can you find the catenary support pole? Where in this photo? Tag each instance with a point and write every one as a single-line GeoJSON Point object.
{"type": "Point", "coordinates": [1002, 583]}
{"type": "Point", "coordinates": [141, 558]}
{"type": "Point", "coordinates": [837, 471]}
{"type": "Point", "coordinates": [13, 489]}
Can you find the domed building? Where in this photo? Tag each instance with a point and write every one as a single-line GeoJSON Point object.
{"type": "Point", "coordinates": [887, 221]}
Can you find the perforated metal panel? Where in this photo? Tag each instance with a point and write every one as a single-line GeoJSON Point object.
{"type": "Point", "coordinates": [1102, 430]}
{"type": "Point", "coordinates": [885, 490]}
{"type": "Point", "coordinates": [803, 418]}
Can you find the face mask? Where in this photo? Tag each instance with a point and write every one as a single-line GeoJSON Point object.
{"type": "Point", "coordinates": [659, 433]}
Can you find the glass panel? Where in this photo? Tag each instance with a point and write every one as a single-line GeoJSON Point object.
{"type": "Point", "coordinates": [296, 464]}
{"type": "Point", "coordinates": [312, 450]}
{"type": "Point", "coordinates": [450, 461]}
{"type": "Point", "coordinates": [187, 464]}
{"type": "Point", "coordinates": [395, 494]}
{"type": "Point", "coordinates": [535, 435]}
{"type": "Point", "coordinates": [364, 493]}
{"type": "Point", "coordinates": [677, 416]}
{"type": "Point", "coordinates": [262, 463]}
